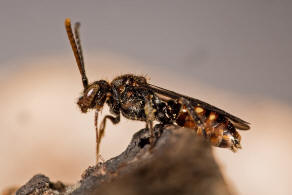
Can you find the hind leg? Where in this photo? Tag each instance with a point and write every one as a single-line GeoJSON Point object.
{"type": "Point", "coordinates": [190, 109]}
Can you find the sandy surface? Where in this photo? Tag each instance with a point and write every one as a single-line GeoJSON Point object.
{"type": "Point", "coordinates": [43, 131]}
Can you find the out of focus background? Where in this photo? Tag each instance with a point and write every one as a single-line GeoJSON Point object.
{"type": "Point", "coordinates": [236, 55]}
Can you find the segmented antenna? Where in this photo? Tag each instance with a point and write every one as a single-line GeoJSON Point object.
{"type": "Point", "coordinates": [77, 50]}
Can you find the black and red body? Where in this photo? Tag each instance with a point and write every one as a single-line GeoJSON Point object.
{"type": "Point", "coordinates": [127, 95]}
{"type": "Point", "coordinates": [134, 98]}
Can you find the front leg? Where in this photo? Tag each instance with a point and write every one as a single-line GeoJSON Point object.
{"type": "Point", "coordinates": [100, 131]}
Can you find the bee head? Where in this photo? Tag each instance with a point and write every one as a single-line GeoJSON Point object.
{"type": "Point", "coordinates": [93, 96]}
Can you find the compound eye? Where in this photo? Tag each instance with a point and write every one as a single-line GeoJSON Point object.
{"type": "Point", "coordinates": [92, 91]}
{"type": "Point", "coordinates": [89, 92]}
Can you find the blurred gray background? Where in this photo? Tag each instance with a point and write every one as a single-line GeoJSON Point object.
{"type": "Point", "coordinates": [234, 54]}
{"type": "Point", "coordinates": [239, 45]}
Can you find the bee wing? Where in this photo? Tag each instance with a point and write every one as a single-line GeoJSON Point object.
{"type": "Point", "coordinates": [167, 94]}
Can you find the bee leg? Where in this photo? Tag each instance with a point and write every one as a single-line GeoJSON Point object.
{"type": "Point", "coordinates": [101, 130]}
{"type": "Point", "coordinates": [190, 108]}
{"type": "Point", "coordinates": [96, 134]}
{"type": "Point", "coordinates": [150, 117]}
{"type": "Point", "coordinates": [149, 125]}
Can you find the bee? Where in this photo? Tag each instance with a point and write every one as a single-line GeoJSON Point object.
{"type": "Point", "coordinates": [134, 98]}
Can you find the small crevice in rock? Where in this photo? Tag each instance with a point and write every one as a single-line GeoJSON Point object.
{"type": "Point", "coordinates": [143, 142]}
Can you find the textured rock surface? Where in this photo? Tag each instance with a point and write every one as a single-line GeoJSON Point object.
{"type": "Point", "coordinates": [41, 184]}
{"type": "Point", "coordinates": [179, 163]}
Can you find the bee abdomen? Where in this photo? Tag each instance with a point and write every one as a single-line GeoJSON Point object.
{"type": "Point", "coordinates": [208, 118]}
{"type": "Point", "coordinates": [218, 129]}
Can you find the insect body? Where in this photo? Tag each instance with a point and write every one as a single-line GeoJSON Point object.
{"type": "Point", "coordinates": [131, 96]}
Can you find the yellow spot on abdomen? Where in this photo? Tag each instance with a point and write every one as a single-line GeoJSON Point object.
{"type": "Point", "coordinates": [199, 110]}
{"type": "Point", "coordinates": [212, 116]}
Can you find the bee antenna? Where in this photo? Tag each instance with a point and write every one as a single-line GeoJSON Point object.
{"type": "Point", "coordinates": [77, 49]}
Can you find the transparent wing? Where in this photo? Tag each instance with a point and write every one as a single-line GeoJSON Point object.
{"type": "Point", "coordinates": [167, 94]}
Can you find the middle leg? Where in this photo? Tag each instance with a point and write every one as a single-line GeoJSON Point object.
{"type": "Point", "coordinates": [150, 117]}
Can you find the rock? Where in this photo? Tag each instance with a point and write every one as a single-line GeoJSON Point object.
{"type": "Point", "coordinates": [178, 163]}
{"type": "Point", "coordinates": [40, 184]}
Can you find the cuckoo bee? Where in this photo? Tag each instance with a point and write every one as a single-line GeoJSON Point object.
{"type": "Point", "coordinates": [136, 99]}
